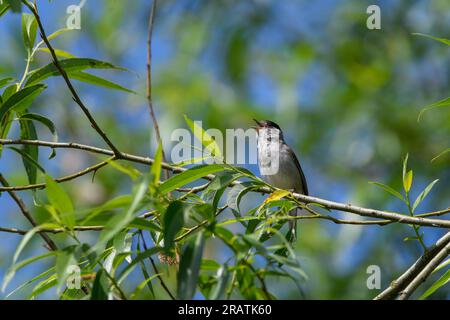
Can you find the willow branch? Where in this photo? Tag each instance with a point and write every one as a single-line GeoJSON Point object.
{"type": "Point", "coordinates": [331, 205]}
{"type": "Point", "coordinates": [71, 88]}
{"type": "Point", "coordinates": [412, 272]}
{"type": "Point", "coordinates": [424, 273]}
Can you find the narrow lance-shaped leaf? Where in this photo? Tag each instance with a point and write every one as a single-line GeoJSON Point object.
{"type": "Point", "coordinates": [207, 141]}
{"type": "Point", "coordinates": [155, 170]}
{"type": "Point", "coordinates": [29, 28]}
{"type": "Point", "coordinates": [423, 194]}
{"type": "Point", "coordinates": [91, 79]}
{"type": "Point", "coordinates": [442, 103]}
{"type": "Point", "coordinates": [189, 175]}
{"type": "Point", "coordinates": [388, 190]}
{"type": "Point", "coordinates": [46, 122]}
{"type": "Point", "coordinates": [173, 222]}
{"type": "Point", "coordinates": [69, 65]}
{"type": "Point", "coordinates": [442, 281]}
{"type": "Point", "coordinates": [407, 181]}
{"type": "Point", "coordinates": [28, 132]}
{"type": "Point", "coordinates": [190, 267]}
{"type": "Point", "coordinates": [61, 201]}
{"type": "Point", "coordinates": [21, 100]}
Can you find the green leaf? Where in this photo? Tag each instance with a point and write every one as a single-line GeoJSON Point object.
{"type": "Point", "coordinates": [29, 28]}
{"type": "Point", "coordinates": [46, 122]}
{"type": "Point", "coordinates": [143, 224]}
{"type": "Point", "coordinates": [4, 7]}
{"type": "Point", "coordinates": [188, 176]}
{"type": "Point", "coordinates": [21, 100]}
{"type": "Point", "coordinates": [26, 238]}
{"type": "Point", "coordinates": [43, 286]}
{"type": "Point", "coordinates": [442, 103]}
{"type": "Point", "coordinates": [59, 199]}
{"type": "Point", "coordinates": [443, 40]}
{"type": "Point", "coordinates": [207, 141]}
{"type": "Point", "coordinates": [388, 190]}
{"type": "Point", "coordinates": [28, 158]}
{"type": "Point", "coordinates": [43, 120]}
{"type": "Point", "coordinates": [5, 81]}
{"type": "Point", "coordinates": [407, 181]}
{"type": "Point", "coordinates": [443, 280]}
{"type": "Point", "coordinates": [440, 154]}
{"type": "Point", "coordinates": [155, 170]}
{"type": "Point", "coordinates": [16, 5]}
{"type": "Point", "coordinates": [69, 65]}
{"type": "Point", "coordinates": [222, 279]}
{"type": "Point", "coordinates": [423, 194]}
{"type": "Point", "coordinates": [28, 132]}
{"type": "Point", "coordinates": [211, 265]}
{"type": "Point", "coordinates": [190, 266]}
{"type": "Point", "coordinates": [64, 260]}
{"type": "Point", "coordinates": [91, 79]}
{"type": "Point", "coordinates": [405, 166]}
{"type": "Point", "coordinates": [15, 267]}
{"type": "Point", "coordinates": [100, 288]}
{"type": "Point", "coordinates": [173, 221]}
{"type": "Point", "coordinates": [58, 52]}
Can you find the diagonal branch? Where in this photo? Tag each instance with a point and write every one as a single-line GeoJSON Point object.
{"type": "Point", "coordinates": [414, 271]}
{"type": "Point", "coordinates": [63, 73]}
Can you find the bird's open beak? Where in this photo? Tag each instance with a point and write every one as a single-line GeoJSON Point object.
{"type": "Point", "coordinates": [258, 124]}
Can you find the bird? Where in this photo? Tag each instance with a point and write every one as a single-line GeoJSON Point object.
{"type": "Point", "coordinates": [278, 164]}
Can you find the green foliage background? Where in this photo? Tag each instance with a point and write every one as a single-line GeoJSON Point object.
{"type": "Point", "coordinates": [347, 97]}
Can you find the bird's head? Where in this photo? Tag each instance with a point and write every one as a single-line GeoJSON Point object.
{"type": "Point", "coordinates": [267, 126]}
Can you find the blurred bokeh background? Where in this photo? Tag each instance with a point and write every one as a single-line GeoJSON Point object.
{"type": "Point", "coordinates": [347, 98]}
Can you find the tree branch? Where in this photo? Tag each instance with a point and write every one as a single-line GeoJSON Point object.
{"type": "Point", "coordinates": [415, 270]}
{"type": "Point", "coordinates": [366, 212]}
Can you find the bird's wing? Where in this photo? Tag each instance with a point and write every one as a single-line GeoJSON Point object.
{"type": "Point", "coordinates": [302, 175]}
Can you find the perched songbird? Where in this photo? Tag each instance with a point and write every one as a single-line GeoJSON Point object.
{"type": "Point", "coordinates": [278, 164]}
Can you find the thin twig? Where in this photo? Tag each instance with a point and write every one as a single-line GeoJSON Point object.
{"type": "Point", "coordinates": [151, 20]}
{"type": "Point", "coordinates": [78, 174]}
{"type": "Point", "coordinates": [424, 273]}
{"type": "Point", "coordinates": [405, 279]}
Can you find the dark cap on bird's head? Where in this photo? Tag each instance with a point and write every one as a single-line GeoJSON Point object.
{"type": "Point", "coordinates": [266, 124]}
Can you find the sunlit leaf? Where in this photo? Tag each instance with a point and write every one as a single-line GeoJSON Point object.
{"type": "Point", "coordinates": [443, 40]}
{"type": "Point", "coordinates": [90, 78]}
{"type": "Point", "coordinates": [29, 28]}
{"type": "Point", "coordinates": [21, 100]}
{"type": "Point", "coordinates": [207, 141]}
{"type": "Point", "coordinates": [69, 65]}
{"type": "Point", "coordinates": [388, 190]}
{"type": "Point", "coordinates": [442, 103]}
{"type": "Point", "coordinates": [60, 200]}
{"type": "Point", "coordinates": [442, 281]}
{"type": "Point", "coordinates": [190, 175]}
{"type": "Point", "coordinates": [407, 181]}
